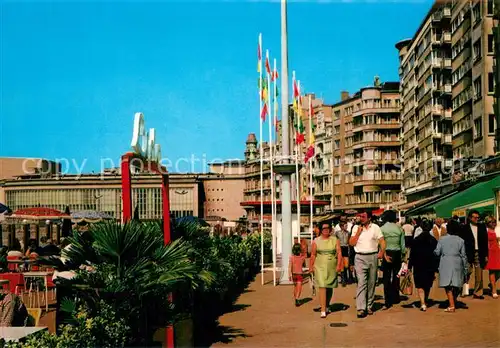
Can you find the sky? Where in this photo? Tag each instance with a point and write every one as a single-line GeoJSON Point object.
{"type": "Point", "coordinates": [73, 74]}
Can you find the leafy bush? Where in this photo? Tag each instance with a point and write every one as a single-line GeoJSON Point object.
{"type": "Point", "coordinates": [105, 330]}
{"type": "Point", "coordinates": [130, 273]}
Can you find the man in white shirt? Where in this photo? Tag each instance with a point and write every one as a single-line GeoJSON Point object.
{"type": "Point", "coordinates": [408, 229]}
{"type": "Point", "coordinates": [366, 240]}
{"type": "Point", "coordinates": [348, 225]}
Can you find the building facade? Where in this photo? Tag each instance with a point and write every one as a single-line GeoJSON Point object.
{"type": "Point", "coordinates": [473, 51]}
{"type": "Point", "coordinates": [366, 148]}
{"type": "Point", "coordinates": [322, 162]}
{"type": "Point", "coordinates": [425, 72]}
{"type": "Point", "coordinates": [216, 194]}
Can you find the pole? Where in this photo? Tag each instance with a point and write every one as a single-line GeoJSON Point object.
{"type": "Point", "coordinates": [297, 159]}
{"type": "Point", "coordinates": [271, 174]}
{"type": "Point", "coordinates": [310, 173]}
{"type": "Point", "coordinates": [275, 115]}
{"type": "Point", "coordinates": [261, 221]}
{"type": "Point", "coordinates": [286, 207]}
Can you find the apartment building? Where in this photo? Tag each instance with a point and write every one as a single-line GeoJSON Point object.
{"type": "Point", "coordinates": [322, 163]}
{"type": "Point", "coordinates": [251, 192]}
{"type": "Point", "coordinates": [425, 71]}
{"type": "Point", "coordinates": [366, 148]}
{"type": "Point", "coordinates": [473, 51]}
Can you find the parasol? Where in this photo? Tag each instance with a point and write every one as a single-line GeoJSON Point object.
{"type": "Point", "coordinates": [4, 208]}
{"type": "Point", "coordinates": [38, 214]}
{"type": "Point", "coordinates": [90, 216]}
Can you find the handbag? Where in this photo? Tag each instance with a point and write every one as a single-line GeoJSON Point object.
{"type": "Point", "coordinates": [406, 284]}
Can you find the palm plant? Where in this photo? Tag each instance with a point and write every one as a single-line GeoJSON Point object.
{"type": "Point", "coordinates": [133, 271]}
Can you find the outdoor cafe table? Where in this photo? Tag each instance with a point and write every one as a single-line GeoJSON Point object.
{"type": "Point", "coordinates": [43, 275]}
{"type": "Point", "coordinates": [16, 333]}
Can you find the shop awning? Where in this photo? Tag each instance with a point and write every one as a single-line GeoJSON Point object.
{"type": "Point", "coordinates": [378, 212]}
{"type": "Point", "coordinates": [416, 203]}
{"type": "Point", "coordinates": [479, 195]}
{"type": "Point", "coordinates": [482, 207]}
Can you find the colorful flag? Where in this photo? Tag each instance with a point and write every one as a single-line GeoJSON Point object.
{"type": "Point", "coordinates": [263, 112]}
{"type": "Point", "coordinates": [259, 54]}
{"type": "Point", "coordinates": [268, 67]}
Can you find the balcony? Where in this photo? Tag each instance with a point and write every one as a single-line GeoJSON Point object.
{"type": "Point", "coordinates": [446, 37]}
{"type": "Point", "coordinates": [446, 12]}
{"type": "Point", "coordinates": [447, 88]}
{"type": "Point", "coordinates": [436, 109]}
{"type": "Point", "coordinates": [447, 139]}
{"type": "Point", "coordinates": [378, 179]}
{"type": "Point", "coordinates": [447, 114]}
{"type": "Point", "coordinates": [436, 17]}
{"type": "Point", "coordinates": [437, 135]}
{"type": "Point", "coordinates": [446, 63]}
{"type": "Point", "coordinates": [448, 163]}
{"type": "Point", "coordinates": [436, 63]}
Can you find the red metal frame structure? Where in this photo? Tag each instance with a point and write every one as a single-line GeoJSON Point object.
{"type": "Point", "coordinates": [132, 159]}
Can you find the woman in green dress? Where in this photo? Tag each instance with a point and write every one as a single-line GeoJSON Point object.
{"type": "Point", "coordinates": [326, 261]}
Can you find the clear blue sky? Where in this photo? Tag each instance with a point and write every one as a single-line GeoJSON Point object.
{"type": "Point", "coordinates": [74, 74]}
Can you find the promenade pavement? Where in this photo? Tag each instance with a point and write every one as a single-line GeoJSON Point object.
{"type": "Point", "coordinates": [265, 316]}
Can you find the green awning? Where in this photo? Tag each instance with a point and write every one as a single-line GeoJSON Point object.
{"type": "Point", "coordinates": [475, 195]}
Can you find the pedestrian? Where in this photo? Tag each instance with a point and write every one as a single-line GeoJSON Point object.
{"type": "Point", "coordinates": [493, 265]}
{"type": "Point", "coordinates": [453, 267]}
{"type": "Point", "coordinates": [424, 263]}
{"type": "Point", "coordinates": [408, 230]}
{"type": "Point", "coordinates": [391, 264]}
{"type": "Point", "coordinates": [352, 253]}
{"type": "Point", "coordinates": [366, 241]}
{"type": "Point", "coordinates": [343, 237]}
{"type": "Point", "coordinates": [326, 261]}
{"type": "Point", "coordinates": [297, 261]}
{"type": "Point", "coordinates": [439, 229]}
{"type": "Point", "coordinates": [475, 237]}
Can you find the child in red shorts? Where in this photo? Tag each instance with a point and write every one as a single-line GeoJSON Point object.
{"type": "Point", "coordinates": [297, 261]}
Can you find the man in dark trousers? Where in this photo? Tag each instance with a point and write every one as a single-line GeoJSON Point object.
{"type": "Point", "coordinates": [475, 237]}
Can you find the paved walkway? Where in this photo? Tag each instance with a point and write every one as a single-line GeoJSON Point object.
{"type": "Point", "coordinates": [266, 316]}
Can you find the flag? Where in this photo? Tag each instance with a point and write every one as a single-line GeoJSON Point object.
{"type": "Point", "coordinates": [309, 154]}
{"type": "Point", "coordinates": [296, 93]}
{"type": "Point", "coordinates": [259, 54]}
{"type": "Point", "coordinates": [277, 123]}
{"type": "Point", "coordinates": [263, 112]}
{"type": "Point", "coordinates": [275, 75]}
{"type": "Point", "coordinates": [268, 67]}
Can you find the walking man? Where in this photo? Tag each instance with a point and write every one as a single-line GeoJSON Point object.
{"type": "Point", "coordinates": [395, 250]}
{"type": "Point", "coordinates": [475, 237]}
{"type": "Point", "coordinates": [366, 240]}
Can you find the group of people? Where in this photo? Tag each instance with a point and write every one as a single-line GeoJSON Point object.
{"type": "Point", "coordinates": [356, 249]}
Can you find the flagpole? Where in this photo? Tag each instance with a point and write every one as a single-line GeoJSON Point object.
{"type": "Point", "coordinates": [311, 136]}
{"type": "Point", "coordinates": [261, 222]}
{"type": "Point", "coordinates": [271, 175]}
{"type": "Point", "coordinates": [286, 208]}
{"type": "Point", "coordinates": [275, 123]}
{"type": "Point", "coordinates": [297, 158]}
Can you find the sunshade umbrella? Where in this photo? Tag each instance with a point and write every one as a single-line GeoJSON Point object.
{"type": "Point", "coordinates": [90, 216]}
{"type": "Point", "coordinates": [4, 208]}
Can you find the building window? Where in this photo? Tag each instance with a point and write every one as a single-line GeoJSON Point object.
{"type": "Point", "coordinates": [491, 44]}
{"type": "Point", "coordinates": [337, 200]}
{"type": "Point", "coordinates": [489, 8]}
{"type": "Point", "coordinates": [477, 50]}
{"type": "Point", "coordinates": [491, 83]}
{"type": "Point", "coordinates": [476, 12]}
{"type": "Point", "coordinates": [478, 128]}
{"type": "Point", "coordinates": [477, 88]}
{"type": "Point", "coordinates": [491, 124]}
